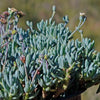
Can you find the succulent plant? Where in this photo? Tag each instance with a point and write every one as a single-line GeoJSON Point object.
{"type": "Point", "coordinates": [45, 62]}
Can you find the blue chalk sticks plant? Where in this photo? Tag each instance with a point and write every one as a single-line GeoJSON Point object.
{"type": "Point", "coordinates": [45, 63]}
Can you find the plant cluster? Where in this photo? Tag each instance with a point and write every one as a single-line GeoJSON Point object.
{"type": "Point", "coordinates": [44, 62]}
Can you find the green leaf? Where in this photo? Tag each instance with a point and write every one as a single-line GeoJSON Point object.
{"type": "Point", "coordinates": [61, 62]}
{"type": "Point", "coordinates": [27, 87]}
{"type": "Point", "coordinates": [28, 59]}
{"type": "Point", "coordinates": [40, 81]}
{"type": "Point", "coordinates": [28, 23]}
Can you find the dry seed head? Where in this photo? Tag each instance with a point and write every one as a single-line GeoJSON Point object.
{"type": "Point", "coordinates": [82, 14]}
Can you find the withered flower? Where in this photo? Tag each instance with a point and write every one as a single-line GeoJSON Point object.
{"type": "Point", "coordinates": [3, 20]}
{"type": "Point", "coordinates": [5, 13]}
{"type": "Point", "coordinates": [23, 59]}
{"type": "Point", "coordinates": [12, 10]}
{"type": "Point", "coordinates": [2, 16]}
{"type": "Point", "coordinates": [20, 14]}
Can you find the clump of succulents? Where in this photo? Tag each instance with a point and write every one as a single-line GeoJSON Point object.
{"type": "Point", "coordinates": [45, 62]}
